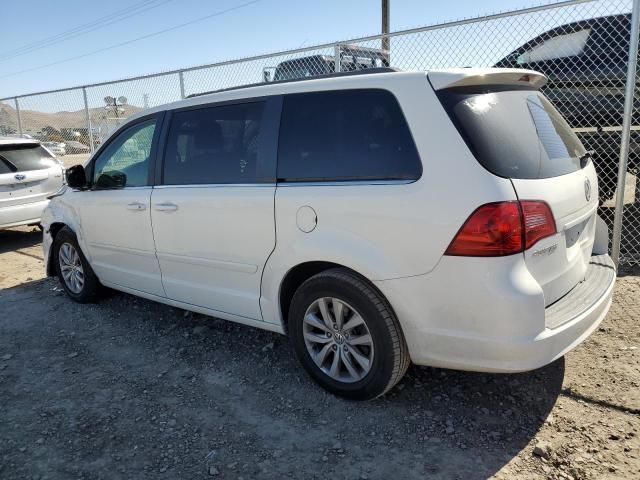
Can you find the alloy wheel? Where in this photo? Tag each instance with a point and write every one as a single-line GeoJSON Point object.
{"type": "Point", "coordinates": [71, 268]}
{"type": "Point", "coordinates": [338, 340]}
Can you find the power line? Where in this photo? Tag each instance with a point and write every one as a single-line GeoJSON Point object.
{"type": "Point", "coordinates": [144, 37]}
{"type": "Point", "coordinates": [83, 29]}
{"type": "Point", "coordinates": [75, 29]}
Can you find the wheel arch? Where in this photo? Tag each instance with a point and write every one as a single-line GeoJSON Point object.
{"type": "Point", "coordinates": [300, 273]}
{"type": "Point", "coordinates": [54, 228]}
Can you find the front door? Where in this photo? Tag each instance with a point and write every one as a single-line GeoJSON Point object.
{"type": "Point", "coordinates": [213, 214]}
{"type": "Point", "coordinates": [116, 215]}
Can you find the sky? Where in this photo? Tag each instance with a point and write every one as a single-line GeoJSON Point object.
{"type": "Point", "coordinates": [84, 42]}
{"type": "Point", "coordinates": [240, 29]}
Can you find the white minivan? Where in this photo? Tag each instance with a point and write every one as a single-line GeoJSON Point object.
{"type": "Point", "coordinates": [377, 218]}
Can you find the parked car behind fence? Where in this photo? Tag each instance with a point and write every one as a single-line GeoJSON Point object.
{"type": "Point", "coordinates": [29, 174]}
{"type": "Point", "coordinates": [57, 148]}
{"type": "Point", "coordinates": [74, 147]}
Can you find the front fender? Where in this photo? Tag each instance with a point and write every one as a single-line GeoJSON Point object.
{"type": "Point", "coordinates": [61, 211]}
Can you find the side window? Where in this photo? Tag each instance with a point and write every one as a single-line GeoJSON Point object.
{"type": "Point", "coordinates": [125, 161]}
{"type": "Point", "coordinates": [562, 46]}
{"type": "Point", "coordinates": [215, 145]}
{"type": "Point", "coordinates": [345, 135]}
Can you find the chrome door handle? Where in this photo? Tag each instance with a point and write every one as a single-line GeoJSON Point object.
{"type": "Point", "coordinates": [166, 207]}
{"type": "Point", "coordinates": [136, 206]}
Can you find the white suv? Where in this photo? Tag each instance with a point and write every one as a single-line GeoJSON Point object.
{"type": "Point", "coordinates": [29, 174]}
{"type": "Point", "coordinates": [446, 218]}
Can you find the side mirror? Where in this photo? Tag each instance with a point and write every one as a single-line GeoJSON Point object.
{"type": "Point", "coordinates": [76, 177]}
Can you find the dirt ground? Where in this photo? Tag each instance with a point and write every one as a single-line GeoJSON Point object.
{"type": "Point", "coordinates": [127, 388]}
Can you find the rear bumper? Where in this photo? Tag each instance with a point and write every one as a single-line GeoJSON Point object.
{"type": "Point", "coordinates": [23, 214]}
{"type": "Point", "coordinates": [497, 322]}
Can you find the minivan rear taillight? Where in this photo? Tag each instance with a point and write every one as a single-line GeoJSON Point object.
{"type": "Point", "coordinates": [503, 228]}
{"type": "Point", "coordinates": [538, 221]}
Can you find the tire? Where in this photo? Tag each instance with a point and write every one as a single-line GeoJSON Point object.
{"type": "Point", "coordinates": [89, 290]}
{"type": "Point", "coordinates": [385, 348]}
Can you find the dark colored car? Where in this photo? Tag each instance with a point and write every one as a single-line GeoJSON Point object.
{"type": "Point", "coordinates": [352, 57]}
{"type": "Point", "coordinates": [586, 64]}
{"type": "Point", "coordinates": [74, 147]}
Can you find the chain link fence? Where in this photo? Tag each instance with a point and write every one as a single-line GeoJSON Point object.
{"type": "Point", "coordinates": [581, 45]}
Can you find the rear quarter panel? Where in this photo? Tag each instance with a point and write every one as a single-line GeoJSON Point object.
{"type": "Point", "coordinates": [385, 231]}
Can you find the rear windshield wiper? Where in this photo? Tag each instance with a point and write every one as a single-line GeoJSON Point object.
{"type": "Point", "coordinates": [585, 157]}
{"type": "Point", "coordinates": [12, 168]}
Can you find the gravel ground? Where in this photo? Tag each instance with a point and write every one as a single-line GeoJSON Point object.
{"type": "Point", "coordinates": [128, 388]}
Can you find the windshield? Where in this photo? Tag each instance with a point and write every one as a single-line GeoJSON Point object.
{"type": "Point", "coordinates": [22, 158]}
{"type": "Point", "coordinates": [514, 133]}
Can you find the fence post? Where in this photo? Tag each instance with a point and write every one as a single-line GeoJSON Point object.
{"type": "Point", "coordinates": [386, 41]}
{"type": "Point", "coordinates": [337, 60]}
{"type": "Point", "coordinates": [626, 131]}
{"type": "Point", "coordinates": [18, 115]}
{"type": "Point", "coordinates": [88, 118]}
{"type": "Point", "coordinates": [181, 77]}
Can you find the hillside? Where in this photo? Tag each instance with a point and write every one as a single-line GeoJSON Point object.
{"type": "Point", "coordinates": [33, 121]}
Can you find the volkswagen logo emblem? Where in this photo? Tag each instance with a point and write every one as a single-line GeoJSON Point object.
{"type": "Point", "coordinates": [19, 177]}
{"type": "Point", "coordinates": [339, 338]}
{"type": "Point", "coordinates": [587, 189]}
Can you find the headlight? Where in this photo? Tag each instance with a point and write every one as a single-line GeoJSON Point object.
{"type": "Point", "coordinates": [59, 192]}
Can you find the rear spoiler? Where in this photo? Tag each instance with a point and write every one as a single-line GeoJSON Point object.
{"type": "Point", "coordinates": [467, 77]}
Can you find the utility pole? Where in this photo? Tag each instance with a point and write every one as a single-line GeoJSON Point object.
{"type": "Point", "coordinates": [116, 106]}
{"type": "Point", "coordinates": [386, 44]}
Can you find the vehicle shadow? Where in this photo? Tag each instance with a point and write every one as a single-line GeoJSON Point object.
{"type": "Point", "coordinates": [15, 239]}
{"type": "Point", "coordinates": [478, 421]}
{"type": "Point", "coordinates": [459, 424]}
{"type": "Point", "coordinates": [244, 387]}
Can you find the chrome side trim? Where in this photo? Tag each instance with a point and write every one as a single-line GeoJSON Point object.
{"type": "Point", "coordinates": [143, 187]}
{"type": "Point", "coordinates": [349, 183]}
{"type": "Point", "coordinates": [115, 248]}
{"type": "Point", "coordinates": [208, 262]}
{"type": "Point", "coordinates": [216, 185]}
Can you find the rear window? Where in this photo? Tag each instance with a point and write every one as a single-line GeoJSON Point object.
{"type": "Point", "coordinates": [514, 133]}
{"type": "Point", "coordinates": [345, 135]}
{"type": "Point", "coordinates": [22, 158]}
{"type": "Point", "coordinates": [212, 145]}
